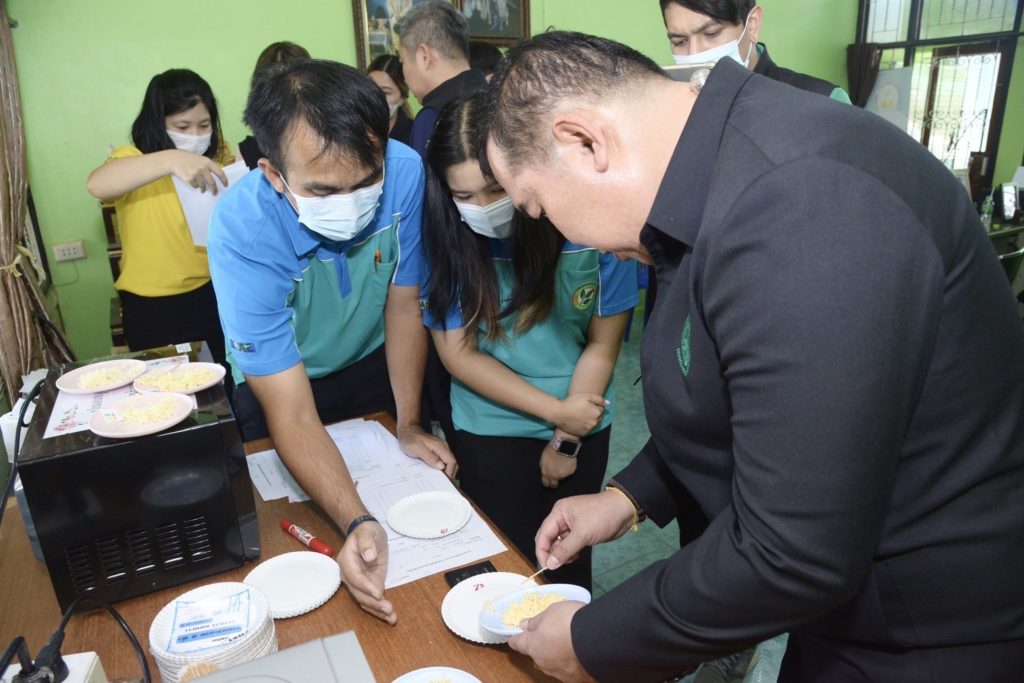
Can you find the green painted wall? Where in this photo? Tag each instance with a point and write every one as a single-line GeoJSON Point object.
{"type": "Point", "coordinates": [83, 67]}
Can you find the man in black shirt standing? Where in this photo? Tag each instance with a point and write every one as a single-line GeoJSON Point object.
{"type": "Point", "coordinates": [434, 47]}
{"type": "Point", "coordinates": [834, 372]}
{"type": "Point", "coordinates": [702, 31]}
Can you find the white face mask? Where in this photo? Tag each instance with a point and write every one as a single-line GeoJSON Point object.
{"type": "Point", "coordinates": [197, 144]}
{"type": "Point", "coordinates": [730, 49]}
{"type": "Point", "coordinates": [339, 217]}
{"type": "Point", "coordinates": [393, 108]}
{"type": "Point", "coordinates": [493, 220]}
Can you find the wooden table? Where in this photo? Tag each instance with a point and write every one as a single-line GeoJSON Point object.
{"type": "Point", "coordinates": [420, 639]}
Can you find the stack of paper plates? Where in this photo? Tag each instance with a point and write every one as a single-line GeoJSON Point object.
{"type": "Point", "coordinates": [222, 623]}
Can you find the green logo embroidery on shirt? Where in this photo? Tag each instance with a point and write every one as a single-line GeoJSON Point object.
{"type": "Point", "coordinates": [683, 352]}
{"type": "Point", "coordinates": [583, 297]}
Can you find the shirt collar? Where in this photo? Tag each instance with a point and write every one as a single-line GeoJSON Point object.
{"type": "Point", "coordinates": [459, 84]}
{"type": "Point", "coordinates": [765, 65]}
{"type": "Point", "coordinates": [678, 208]}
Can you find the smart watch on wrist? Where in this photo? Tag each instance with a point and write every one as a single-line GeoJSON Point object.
{"type": "Point", "coordinates": [566, 445]}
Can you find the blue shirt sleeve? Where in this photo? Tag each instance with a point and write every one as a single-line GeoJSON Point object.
{"type": "Point", "coordinates": [252, 280]}
{"type": "Point", "coordinates": [618, 285]}
{"type": "Point", "coordinates": [409, 201]}
{"type": "Point", "coordinates": [452, 321]}
{"type": "Point", "coordinates": [422, 128]}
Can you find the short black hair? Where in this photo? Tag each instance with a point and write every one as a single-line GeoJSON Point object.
{"type": "Point", "coordinates": [438, 24]}
{"type": "Point", "coordinates": [484, 56]}
{"type": "Point", "coordinates": [342, 105]}
{"type": "Point", "coordinates": [728, 11]}
{"type": "Point", "coordinates": [539, 73]}
{"type": "Point", "coordinates": [169, 93]}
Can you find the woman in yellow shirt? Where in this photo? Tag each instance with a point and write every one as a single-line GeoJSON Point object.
{"type": "Point", "coordinates": [165, 289]}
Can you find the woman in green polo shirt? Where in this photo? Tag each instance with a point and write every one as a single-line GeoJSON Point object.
{"type": "Point", "coordinates": [529, 326]}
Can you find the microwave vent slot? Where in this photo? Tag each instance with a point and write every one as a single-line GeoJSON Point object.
{"type": "Point", "coordinates": [169, 545]}
{"type": "Point", "coordinates": [140, 550]}
{"type": "Point", "coordinates": [80, 568]}
{"type": "Point", "coordinates": [197, 537]}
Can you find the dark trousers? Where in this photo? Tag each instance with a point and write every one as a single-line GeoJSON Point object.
{"type": "Point", "coordinates": [151, 321]}
{"type": "Point", "coordinates": [436, 402]}
{"type": "Point", "coordinates": [357, 390]}
{"type": "Point", "coordinates": [811, 659]}
{"type": "Point", "coordinates": [502, 476]}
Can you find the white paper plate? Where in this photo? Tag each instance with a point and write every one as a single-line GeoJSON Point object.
{"type": "Point", "coordinates": [461, 607]}
{"type": "Point", "coordinates": [216, 368]}
{"type": "Point", "coordinates": [490, 617]}
{"type": "Point", "coordinates": [431, 514]}
{"type": "Point", "coordinates": [296, 583]}
{"type": "Point", "coordinates": [101, 424]}
{"type": "Point", "coordinates": [131, 368]}
{"type": "Point", "coordinates": [437, 673]}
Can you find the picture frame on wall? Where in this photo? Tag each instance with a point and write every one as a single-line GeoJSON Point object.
{"type": "Point", "coordinates": [375, 27]}
{"type": "Point", "coordinates": [499, 22]}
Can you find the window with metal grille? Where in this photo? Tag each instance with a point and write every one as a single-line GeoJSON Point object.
{"type": "Point", "coordinates": [959, 54]}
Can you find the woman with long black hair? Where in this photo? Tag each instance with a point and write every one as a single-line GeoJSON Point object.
{"type": "Point", "coordinates": [165, 289]}
{"type": "Point", "coordinates": [529, 326]}
{"type": "Point", "coordinates": [386, 72]}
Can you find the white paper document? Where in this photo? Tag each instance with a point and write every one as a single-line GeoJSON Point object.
{"type": "Point", "coordinates": [272, 479]}
{"type": "Point", "coordinates": [71, 412]}
{"type": "Point", "coordinates": [385, 475]}
{"type": "Point", "coordinates": [198, 206]}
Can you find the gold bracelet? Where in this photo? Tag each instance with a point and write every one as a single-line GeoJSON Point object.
{"type": "Point", "coordinates": [636, 517]}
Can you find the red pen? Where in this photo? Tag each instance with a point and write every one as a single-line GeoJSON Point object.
{"type": "Point", "coordinates": [307, 539]}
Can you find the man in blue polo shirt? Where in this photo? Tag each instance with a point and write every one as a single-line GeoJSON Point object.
{"type": "Point", "coordinates": [315, 261]}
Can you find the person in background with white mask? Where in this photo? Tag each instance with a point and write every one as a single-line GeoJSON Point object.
{"type": "Point", "coordinates": [703, 31]}
{"type": "Point", "coordinates": [316, 263]}
{"type": "Point", "coordinates": [386, 72]}
{"type": "Point", "coordinates": [529, 326]}
{"type": "Point", "coordinates": [164, 284]}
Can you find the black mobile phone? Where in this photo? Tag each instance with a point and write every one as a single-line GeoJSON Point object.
{"type": "Point", "coordinates": [458, 575]}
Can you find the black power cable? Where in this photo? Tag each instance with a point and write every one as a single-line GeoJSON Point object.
{"type": "Point", "coordinates": [17, 444]}
{"type": "Point", "coordinates": [49, 656]}
{"type": "Point", "coordinates": [17, 646]}
{"type": "Point", "coordinates": [49, 665]}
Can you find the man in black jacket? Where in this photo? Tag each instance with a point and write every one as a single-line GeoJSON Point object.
{"type": "Point", "coordinates": [706, 30]}
{"type": "Point", "coordinates": [834, 372]}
